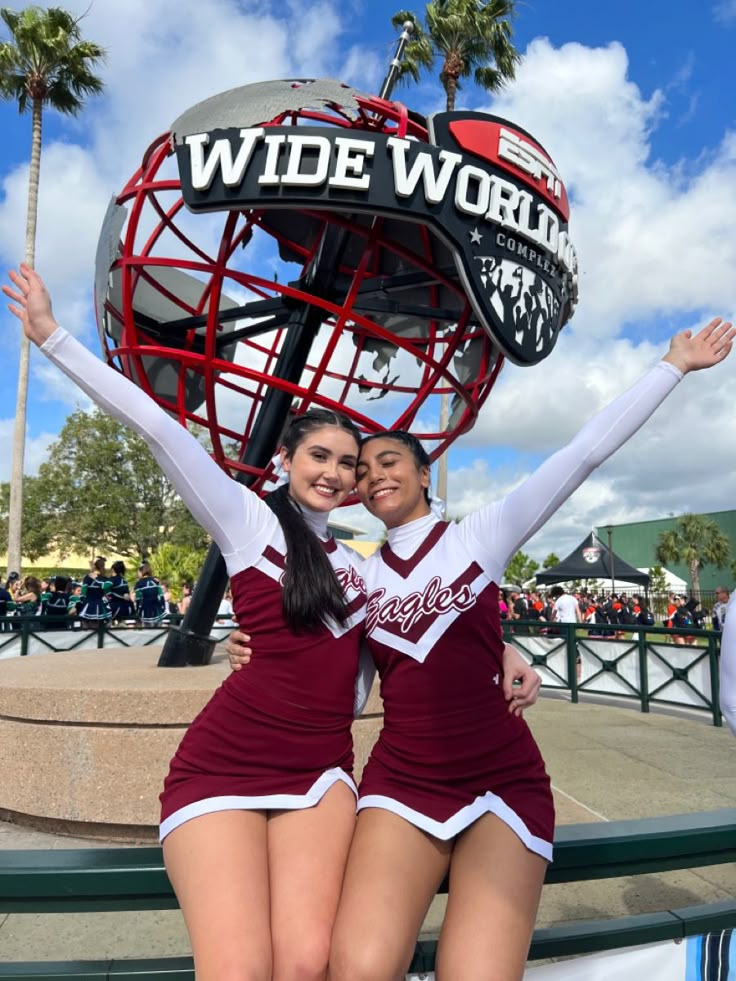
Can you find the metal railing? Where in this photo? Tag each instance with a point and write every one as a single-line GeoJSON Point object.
{"type": "Point", "coordinates": [110, 880]}
{"type": "Point", "coordinates": [23, 635]}
{"type": "Point", "coordinates": [645, 665]}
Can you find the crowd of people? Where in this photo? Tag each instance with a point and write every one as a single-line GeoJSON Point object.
{"type": "Point", "coordinates": [104, 595]}
{"type": "Point", "coordinates": [613, 614]}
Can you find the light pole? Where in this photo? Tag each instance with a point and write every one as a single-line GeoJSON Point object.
{"type": "Point", "coordinates": [609, 532]}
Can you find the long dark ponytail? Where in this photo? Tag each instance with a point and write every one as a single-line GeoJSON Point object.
{"type": "Point", "coordinates": [311, 592]}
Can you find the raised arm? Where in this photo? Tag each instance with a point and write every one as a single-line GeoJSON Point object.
{"type": "Point", "coordinates": [220, 505]}
{"type": "Point", "coordinates": [728, 666]}
{"type": "Point", "coordinates": [502, 527]}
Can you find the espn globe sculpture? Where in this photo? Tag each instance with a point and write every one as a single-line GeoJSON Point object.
{"type": "Point", "coordinates": [296, 243]}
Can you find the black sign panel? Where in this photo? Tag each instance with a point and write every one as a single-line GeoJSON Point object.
{"type": "Point", "coordinates": [485, 187]}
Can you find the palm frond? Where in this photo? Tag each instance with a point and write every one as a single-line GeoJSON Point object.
{"type": "Point", "coordinates": [489, 79]}
{"type": "Point", "coordinates": [46, 58]}
{"type": "Point", "coordinates": [402, 16]}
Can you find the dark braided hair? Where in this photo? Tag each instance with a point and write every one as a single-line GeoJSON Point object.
{"type": "Point", "coordinates": [421, 457]}
{"type": "Point", "coordinates": [311, 592]}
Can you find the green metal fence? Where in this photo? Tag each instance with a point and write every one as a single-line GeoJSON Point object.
{"type": "Point", "coordinates": [645, 666]}
{"type": "Point", "coordinates": [107, 880]}
{"type": "Point", "coordinates": [23, 635]}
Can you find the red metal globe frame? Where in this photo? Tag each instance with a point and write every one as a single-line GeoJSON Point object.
{"type": "Point", "coordinates": [334, 376]}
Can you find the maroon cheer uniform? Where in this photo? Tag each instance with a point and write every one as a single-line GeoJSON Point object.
{"type": "Point", "coordinates": [449, 750]}
{"type": "Point", "coordinates": [277, 734]}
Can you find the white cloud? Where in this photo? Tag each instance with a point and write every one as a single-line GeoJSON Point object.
{"type": "Point", "coordinates": [725, 11]}
{"type": "Point", "coordinates": [52, 385]}
{"type": "Point", "coordinates": [72, 201]}
{"type": "Point", "coordinates": [36, 450]}
{"type": "Point", "coordinates": [651, 238]}
{"type": "Point", "coordinates": [668, 466]}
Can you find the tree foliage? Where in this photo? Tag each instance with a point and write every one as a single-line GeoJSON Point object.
{"type": "Point", "coordinates": [551, 561]}
{"type": "Point", "coordinates": [658, 589]}
{"type": "Point", "coordinates": [100, 490]}
{"type": "Point", "coordinates": [695, 541]}
{"type": "Point", "coordinates": [657, 580]}
{"type": "Point", "coordinates": [471, 38]}
{"type": "Point", "coordinates": [34, 530]}
{"type": "Point", "coordinates": [521, 568]}
{"type": "Point", "coordinates": [45, 60]}
{"type": "Point", "coordinates": [176, 565]}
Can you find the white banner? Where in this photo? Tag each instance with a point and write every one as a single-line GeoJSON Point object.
{"type": "Point", "coordinates": [708, 958]}
{"type": "Point", "coordinates": [654, 962]}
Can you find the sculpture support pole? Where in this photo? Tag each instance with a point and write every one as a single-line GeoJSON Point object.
{"type": "Point", "coordinates": [190, 642]}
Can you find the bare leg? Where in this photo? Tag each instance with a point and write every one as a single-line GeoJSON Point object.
{"type": "Point", "coordinates": [393, 873]}
{"type": "Point", "coordinates": [495, 885]}
{"type": "Point", "coordinates": [307, 852]}
{"type": "Point", "coordinates": [218, 866]}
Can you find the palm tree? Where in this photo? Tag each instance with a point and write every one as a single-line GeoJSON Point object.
{"type": "Point", "coordinates": [696, 541]}
{"type": "Point", "coordinates": [471, 38]}
{"type": "Point", "coordinates": [45, 62]}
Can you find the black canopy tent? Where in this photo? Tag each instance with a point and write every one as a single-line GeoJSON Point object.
{"type": "Point", "coordinates": [590, 560]}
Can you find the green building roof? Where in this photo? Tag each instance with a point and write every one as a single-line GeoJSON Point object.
{"type": "Point", "coordinates": [637, 544]}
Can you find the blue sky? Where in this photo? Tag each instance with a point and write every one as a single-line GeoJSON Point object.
{"type": "Point", "coordinates": [635, 103]}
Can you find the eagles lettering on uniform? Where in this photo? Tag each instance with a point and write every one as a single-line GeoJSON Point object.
{"type": "Point", "coordinates": [449, 750]}
{"type": "Point", "coordinates": [296, 701]}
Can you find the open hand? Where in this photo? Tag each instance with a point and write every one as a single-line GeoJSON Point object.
{"type": "Point", "coordinates": [691, 352]}
{"type": "Point", "coordinates": [32, 304]}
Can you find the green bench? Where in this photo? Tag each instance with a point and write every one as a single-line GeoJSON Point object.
{"type": "Point", "coordinates": [110, 879]}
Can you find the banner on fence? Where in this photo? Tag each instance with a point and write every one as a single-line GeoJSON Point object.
{"type": "Point", "coordinates": [708, 958]}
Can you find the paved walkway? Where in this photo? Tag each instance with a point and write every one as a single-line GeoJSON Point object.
{"type": "Point", "coordinates": [606, 763]}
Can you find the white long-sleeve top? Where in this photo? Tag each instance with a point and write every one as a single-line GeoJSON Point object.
{"type": "Point", "coordinates": [495, 532]}
{"type": "Point", "coordinates": [236, 518]}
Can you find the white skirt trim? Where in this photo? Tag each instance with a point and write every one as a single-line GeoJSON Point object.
{"type": "Point", "coordinates": [286, 802]}
{"type": "Point", "coordinates": [84, 615]}
{"type": "Point", "coordinates": [488, 803]}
